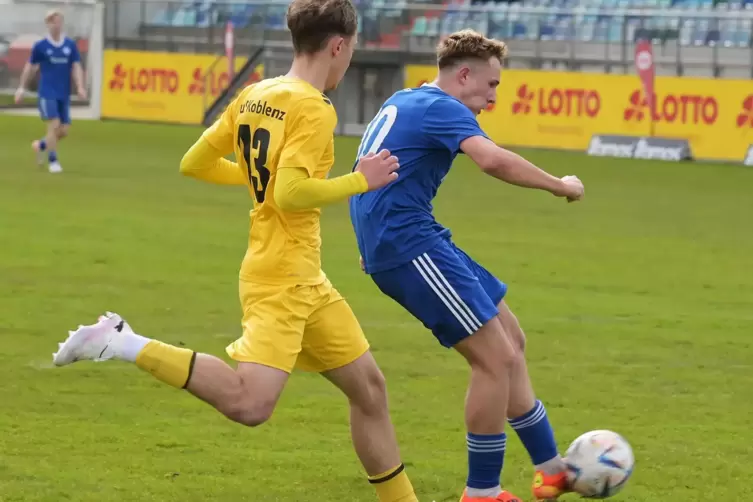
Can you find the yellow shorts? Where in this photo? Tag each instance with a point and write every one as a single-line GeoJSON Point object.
{"type": "Point", "coordinates": [311, 328]}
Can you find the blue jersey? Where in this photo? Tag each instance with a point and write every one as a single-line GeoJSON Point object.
{"type": "Point", "coordinates": [423, 127]}
{"type": "Point", "coordinates": [55, 60]}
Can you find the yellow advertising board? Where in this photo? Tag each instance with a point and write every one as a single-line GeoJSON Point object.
{"type": "Point", "coordinates": [163, 86]}
{"type": "Point", "coordinates": [563, 110]}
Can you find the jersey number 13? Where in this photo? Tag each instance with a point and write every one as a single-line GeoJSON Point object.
{"type": "Point", "coordinates": [258, 174]}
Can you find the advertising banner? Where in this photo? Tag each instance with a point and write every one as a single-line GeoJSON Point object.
{"type": "Point", "coordinates": [566, 110]}
{"type": "Point", "coordinates": [644, 65]}
{"type": "Point", "coordinates": [632, 147]}
{"type": "Point", "coordinates": [162, 86]}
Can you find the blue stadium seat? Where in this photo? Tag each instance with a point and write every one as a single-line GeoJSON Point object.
{"type": "Point", "coordinates": [432, 27]}
{"type": "Point", "coordinates": [586, 28]}
{"type": "Point", "coordinates": [420, 26]}
{"type": "Point", "coordinates": [163, 18]}
{"type": "Point", "coordinates": [743, 33]}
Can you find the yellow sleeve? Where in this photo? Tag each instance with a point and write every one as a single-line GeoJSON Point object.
{"type": "Point", "coordinates": [205, 162]}
{"type": "Point", "coordinates": [221, 134]}
{"type": "Point", "coordinates": [307, 134]}
{"type": "Point", "coordinates": [295, 190]}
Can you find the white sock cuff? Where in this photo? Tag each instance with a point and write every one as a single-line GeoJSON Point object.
{"type": "Point", "coordinates": [130, 347]}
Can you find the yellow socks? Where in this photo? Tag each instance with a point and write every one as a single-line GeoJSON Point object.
{"type": "Point", "coordinates": [169, 364]}
{"type": "Point", "coordinates": [393, 486]}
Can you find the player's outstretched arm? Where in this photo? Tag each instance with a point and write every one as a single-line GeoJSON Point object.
{"type": "Point", "coordinates": [295, 190]}
{"type": "Point", "coordinates": [514, 169]}
{"type": "Point", "coordinates": [205, 162]}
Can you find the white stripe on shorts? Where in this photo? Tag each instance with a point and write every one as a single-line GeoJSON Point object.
{"type": "Point", "coordinates": [469, 323]}
{"type": "Point", "coordinates": [452, 291]}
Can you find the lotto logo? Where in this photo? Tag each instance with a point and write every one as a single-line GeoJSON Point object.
{"type": "Point", "coordinates": [671, 108]}
{"type": "Point", "coordinates": [745, 118]}
{"type": "Point", "coordinates": [144, 79]}
{"type": "Point", "coordinates": [556, 101]}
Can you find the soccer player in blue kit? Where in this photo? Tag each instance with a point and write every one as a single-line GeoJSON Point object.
{"type": "Point", "coordinates": [57, 58]}
{"type": "Point", "coordinates": [412, 258]}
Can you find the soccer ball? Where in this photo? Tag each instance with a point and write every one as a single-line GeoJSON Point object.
{"type": "Point", "coordinates": [599, 464]}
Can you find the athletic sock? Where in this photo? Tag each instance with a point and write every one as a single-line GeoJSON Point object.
{"type": "Point", "coordinates": [536, 434]}
{"type": "Point", "coordinates": [172, 365]}
{"type": "Point", "coordinates": [130, 347]}
{"type": "Point", "coordinates": [486, 456]}
{"type": "Point", "coordinates": [42, 145]}
{"type": "Point", "coordinates": [52, 156]}
{"type": "Point", "coordinates": [393, 486]}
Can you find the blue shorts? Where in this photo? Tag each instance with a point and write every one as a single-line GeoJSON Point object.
{"type": "Point", "coordinates": [446, 290]}
{"type": "Point", "coordinates": [51, 109]}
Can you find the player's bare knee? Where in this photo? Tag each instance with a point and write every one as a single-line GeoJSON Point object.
{"type": "Point", "coordinates": [251, 413]}
{"type": "Point", "coordinates": [512, 327]}
{"type": "Point", "coordinates": [374, 398]}
{"type": "Point", "coordinates": [62, 132]}
{"type": "Point", "coordinates": [52, 127]}
{"type": "Point", "coordinates": [518, 339]}
{"type": "Point", "coordinates": [491, 352]}
{"type": "Point", "coordinates": [497, 365]}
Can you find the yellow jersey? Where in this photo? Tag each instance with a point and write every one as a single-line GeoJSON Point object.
{"type": "Point", "coordinates": [279, 123]}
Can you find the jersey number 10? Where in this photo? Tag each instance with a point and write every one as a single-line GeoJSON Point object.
{"type": "Point", "coordinates": [258, 174]}
{"type": "Point", "coordinates": [377, 131]}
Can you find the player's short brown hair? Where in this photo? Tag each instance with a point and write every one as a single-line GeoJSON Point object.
{"type": "Point", "coordinates": [468, 44]}
{"type": "Point", "coordinates": [313, 22]}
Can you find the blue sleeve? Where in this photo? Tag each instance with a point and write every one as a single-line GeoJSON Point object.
{"type": "Point", "coordinates": [448, 123]}
{"type": "Point", "coordinates": [37, 53]}
{"type": "Point", "coordinates": [75, 55]}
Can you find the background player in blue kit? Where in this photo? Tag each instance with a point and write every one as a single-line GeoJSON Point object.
{"type": "Point", "coordinates": [412, 259]}
{"type": "Point", "coordinates": [57, 58]}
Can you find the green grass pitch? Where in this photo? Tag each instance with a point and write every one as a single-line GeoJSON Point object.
{"type": "Point", "coordinates": [637, 304]}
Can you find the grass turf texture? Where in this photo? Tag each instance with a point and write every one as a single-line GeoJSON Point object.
{"type": "Point", "coordinates": [7, 100]}
{"type": "Point", "coordinates": [636, 302]}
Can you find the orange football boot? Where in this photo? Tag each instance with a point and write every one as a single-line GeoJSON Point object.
{"type": "Point", "coordinates": [502, 497]}
{"type": "Point", "coordinates": [550, 486]}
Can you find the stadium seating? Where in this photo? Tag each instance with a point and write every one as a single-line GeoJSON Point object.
{"type": "Point", "coordinates": [598, 20]}
{"type": "Point", "coordinates": [687, 22]}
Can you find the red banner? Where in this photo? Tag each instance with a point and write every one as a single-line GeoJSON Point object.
{"type": "Point", "coordinates": [644, 64]}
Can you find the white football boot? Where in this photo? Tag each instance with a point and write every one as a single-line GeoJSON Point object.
{"type": "Point", "coordinates": [98, 342]}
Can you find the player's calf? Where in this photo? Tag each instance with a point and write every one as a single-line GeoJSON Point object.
{"type": "Point", "coordinates": [491, 357]}
{"type": "Point", "coordinates": [371, 427]}
{"type": "Point", "coordinates": [50, 145]}
{"type": "Point", "coordinates": [247, 395]}
{"type": "Point", "coordinates": [529, 419]}
{"type": "Point", "coordinates": [62, 131]}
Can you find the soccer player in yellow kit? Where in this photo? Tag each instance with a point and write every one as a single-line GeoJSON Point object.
{"type": "Point", "coordinates": [281, 131]}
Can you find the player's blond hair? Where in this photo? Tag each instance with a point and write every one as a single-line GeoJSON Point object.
{"type": "Point", "coordinates": [51, 14]}
{"type": "Point", "coordinates": [313, 22]}
{"type": "Point", "coordinates": [468, 44]}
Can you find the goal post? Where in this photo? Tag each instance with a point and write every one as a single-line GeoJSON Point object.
{"type": "Point", "coordinates": [22, 24]}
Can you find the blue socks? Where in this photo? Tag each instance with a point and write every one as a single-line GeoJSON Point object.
{"type": "Point", "coordinates": [537, 436]}
{"type": "Point", "coordinates": [52, 156]}
{"type": "Point", "coordinates": [42, 145]}
{"type": "Point", "coordinates": [486, 455]}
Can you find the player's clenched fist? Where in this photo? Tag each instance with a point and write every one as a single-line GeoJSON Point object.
{"type": "Point", "coordinates": [19, 96]}
{"type": "Point", "coordinates": [573, 188]}
{"type": "Point", "coordinates": [378, 169]}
